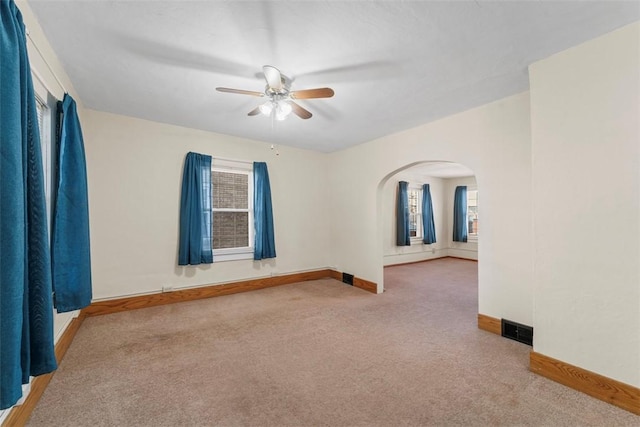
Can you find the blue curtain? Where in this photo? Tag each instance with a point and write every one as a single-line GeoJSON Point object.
{"type": "Point", "coordinates": [402, 215]}
{"type": "Point", "coordinates": [26, 305]}
{"type": "Point", "coordinates": [195, 211]}
{"type": "Point", "coordinates": [70, 251]}
{"type": "Point", "coordinates": [265, 246]}
{"type": "Point", "coordinates": [460, 214]}
{"type": "Point", "coordinates": [428, 224]}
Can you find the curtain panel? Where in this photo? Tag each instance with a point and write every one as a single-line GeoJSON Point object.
{"type": "Point", "coordinates": [428, 224]}
{"type": "Point", "coordinates": [403, 237]}
{"type": "Point", "coordinates": [264, 245]}
{"type": "Point", "coordinates": [460, 214]}
{"type": "Point", "coordinates": [195, 211]}
{"type": "Point", "coordinates": [70, 249]}
{"type": "Point", "coordinates": [26, 304]}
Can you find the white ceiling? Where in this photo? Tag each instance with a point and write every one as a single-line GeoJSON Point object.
{"type": "Point", "coordinates": [393, 65]}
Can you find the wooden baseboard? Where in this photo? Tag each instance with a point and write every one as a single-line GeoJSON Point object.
{"type": "Point", "coordinates": [609, 390]}
{"type": "Point", "coordinates": [20, 414]}
{"type": "Point", "coordinates": [489, 324]}
{"type": "Point", "coordinates": [143, 301]}
{"type": "Point", "coordinates": [357, 282]}
{"type": "Point", "coordinates": [365, 284]}
{"type": "Point", "coordinates": [67, 337]}
{"type": "Point", "coordinates": [336, 275]}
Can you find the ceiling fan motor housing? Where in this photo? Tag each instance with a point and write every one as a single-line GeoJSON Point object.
{"type": "Point", "coordinates": [277, 95]}
{"type": "Point", "coordinates": [283, 91]}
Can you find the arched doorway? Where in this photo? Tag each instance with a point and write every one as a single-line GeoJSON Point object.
{"type": "Point", "coordinates": [443, 177]}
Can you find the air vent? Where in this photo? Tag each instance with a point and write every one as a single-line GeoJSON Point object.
{"type": "Point", "coordinates": [347, 278]}
{"type": "Point", "coordinates": [517, 331]}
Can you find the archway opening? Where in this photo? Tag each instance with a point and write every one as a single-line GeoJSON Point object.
{"type": "Point", "coordinates": [454, 259]}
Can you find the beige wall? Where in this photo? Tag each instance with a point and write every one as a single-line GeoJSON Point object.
{"type": "Point", "coordinates": [417, 251]}
{"type": "Point", "coordinates": [135, 172]}
{"type": "Point", "coordinates": [494, 142]}
{"type": "Point", "coordinates": [586, 168]}
{"type": "Point", "coordinates": [467, 249]}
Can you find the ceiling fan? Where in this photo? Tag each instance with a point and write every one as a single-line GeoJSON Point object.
{"type": "Point", "coordinates": [281, 98]}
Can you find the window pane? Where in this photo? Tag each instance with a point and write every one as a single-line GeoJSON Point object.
{"type": "Point", "coordinates": [413, 225]}
{"type": "Point", "coordinates": [40, 110]}
{"type": "Point", "coordinates": [415, 215]}
{"type": "Point", "coordinates": [413, 201]}
{"type": "Point", "coordinates": [230, 190]}
{"type": "Point", "coordinates": [230, 229]}
{"type": "Point", "coordinates": [472, 212]}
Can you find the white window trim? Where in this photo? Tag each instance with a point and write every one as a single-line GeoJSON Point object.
{"type": "Point", "coordinates": [241, 253]}
{"type": "Point", "coordinates": [471, 238]}
{"type": "Point", "coordinates": [417, 239]}
{"type": "Point", "coordinates": [44, 97]}
{"type": "Point", "coordinates": [232, 254]}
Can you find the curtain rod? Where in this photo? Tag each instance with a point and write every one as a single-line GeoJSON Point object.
{"type": "Point", "coordinates": [214, 158]}
{"type": "Point", "coordinates": [44, 83]}
{"type": "Point", "coordinates": [45, 60]}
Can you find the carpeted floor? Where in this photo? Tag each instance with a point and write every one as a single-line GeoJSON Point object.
{"type": "Point", "coordinates": [316, 353]}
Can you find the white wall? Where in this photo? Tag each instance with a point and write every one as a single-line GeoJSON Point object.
{"type": "Point", "coordinates": [469, 249]}
{"type": "Point", "coordinates": [134, 171]}
{"type": "Point", "coordinates": [418, 251]}
{"type": "Point", "coordinates": [586, 163]}
{"type": "Point", "coordinates": [492, 140]}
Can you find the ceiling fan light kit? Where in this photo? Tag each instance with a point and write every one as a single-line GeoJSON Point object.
{"type": "Point", "coordinates": [280, 104]}
{"type": "Point", "coordinates": [281, 109]}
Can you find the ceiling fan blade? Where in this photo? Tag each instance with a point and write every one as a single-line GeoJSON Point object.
{"type": "Point", "coordinates": [254, 112]}
{"type": "Point", "coordinates": [323, 92]}
{"type": "Point", "coordinates": [273, 77]}
{"type": "Point", "coordinates": [299, 111]}
{"type": "Point", "coordinates": [239, 91]}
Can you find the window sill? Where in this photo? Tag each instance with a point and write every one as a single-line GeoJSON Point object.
{"type": "Point", "coordinates": [232, 254]}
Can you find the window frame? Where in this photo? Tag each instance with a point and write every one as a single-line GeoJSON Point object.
{"type": "Point", "coordinates": [473, 237]}
{"type": "Point", "coordinates": [243, 168]}
{"type": "Point", "coordinates": [419, 229]}
{"type": "Point", "coordinates": [45, 100]}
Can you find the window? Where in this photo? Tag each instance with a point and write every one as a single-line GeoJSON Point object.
{"type": "Point", "coordinates": [415, 212]}
{"type": "Point", "coordinates": [232, 198]}
{"type": "Point", "coordinates": [472, 213]}
{"type": "Point", "coordinates": [45, 107]}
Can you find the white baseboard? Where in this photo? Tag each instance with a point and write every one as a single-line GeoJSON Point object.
{"type": "Point", "coordinates": [425, 255]}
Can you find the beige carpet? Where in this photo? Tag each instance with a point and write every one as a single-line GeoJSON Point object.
{"type": "Point", "coordinates": [317, 353]}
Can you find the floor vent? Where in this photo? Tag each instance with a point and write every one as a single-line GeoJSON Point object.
{"type": "Point", "coordinates": [347, 278]}
{"type": "Point", "coordinates": [518, 332]}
